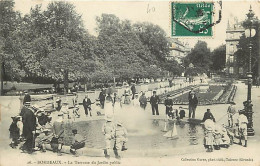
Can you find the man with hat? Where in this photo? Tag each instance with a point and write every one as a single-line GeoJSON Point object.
{"type": "Point", "coordinates": [168, 103]}
{"type": "Point", "coordinates": [29, 127]}
{"type": "Point", "coordinates": [78, 142]}
{"type": "Point", "coordinates": [231, 111]}
{"type": "Point", "coordinates": [87, 105]}
{"type": "Point", "coordinates": [120, 139]}
{"type": "Point", "coordinates": [108, 130]}
{"type": "Point", "coordinates": [143, 100]}
{"type": "Point", "coordinates": [133, 89]}
{"type": "Point", "coordinates": [27, 97]}
{"type": "Point", "coordinates": [58, 132]}
{"type": "Point", "coordinates": [242, 127]}
{"type": "Point", "coordinates": [193, 102]}
{"type": "Point", "coordinates": [154, 101]}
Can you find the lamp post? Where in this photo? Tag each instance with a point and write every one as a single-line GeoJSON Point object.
{"type": "Point", "coordinates": [249, 33]}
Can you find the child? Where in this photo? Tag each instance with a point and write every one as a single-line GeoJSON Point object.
{"type": "Point", "coordinates": [120, 139]}
{"type": "Point", "coordinates": [182, 112]}
{"type": "Point", "coordinates": [42, 139]}
{"type": "Point", "coordinates": [209, 138]}
{"type": "Point", "coordinates": [78, 142]}
{"type": "Point", "coordinates": [225, 138]}
{"type": "Point", "coordinates": [217, 139]}
{"type": "Point", "coordinates": [76, 111]}
{"type": "Point", "coordinates": [20, 126]}
{"type": "Point", "coordinates": [14, 133]}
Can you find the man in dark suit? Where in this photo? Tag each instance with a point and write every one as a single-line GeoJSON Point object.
{"type": "Point", "coordinates": [29, 126]}
{"type": "Point", "coordinates": [27, 97]}
{"type": "Point", "coordinates": [154, 101]}
{"type": "Point", "coordinates": [193, 102]}
{"type": "Point", "coordinates": [87, 105]}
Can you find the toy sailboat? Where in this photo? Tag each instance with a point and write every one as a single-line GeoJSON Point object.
{"type": "Point", "coordinates": [172, 134]}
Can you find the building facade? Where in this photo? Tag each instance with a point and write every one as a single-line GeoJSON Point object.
{"type": "Point", "coordinates": [233, 33]}
{"type": "Point", "coordinates": [178, 50]}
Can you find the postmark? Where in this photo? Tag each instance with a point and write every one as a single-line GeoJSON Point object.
{"type": "Point", "coordinates": [192, 19]}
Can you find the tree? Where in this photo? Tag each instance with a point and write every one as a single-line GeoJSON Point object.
{"type": "Point", "coordinates": [218, 58]}
{"type": "Point", "coordinates": [199, 57]}
{"type": "Point", "coordinates": [64, 64]}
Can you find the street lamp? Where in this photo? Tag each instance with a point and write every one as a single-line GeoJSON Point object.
{"type": "Point", "coordinates": [249, 33]}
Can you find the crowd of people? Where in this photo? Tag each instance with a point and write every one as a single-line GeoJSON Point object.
{"type": "Point", "coordinates": [35, 129]}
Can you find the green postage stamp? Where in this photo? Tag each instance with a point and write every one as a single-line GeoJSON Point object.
{"type": "Point", "coordinates": [191, 19]}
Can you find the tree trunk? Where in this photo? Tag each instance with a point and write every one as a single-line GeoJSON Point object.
{"type": "Point", "coordinates": [66, 81]}
{"type": "Point", "coordinates": [2, 79]}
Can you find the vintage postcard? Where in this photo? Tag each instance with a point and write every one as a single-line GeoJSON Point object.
{"type": "Point", "coordinates": [129, 83]}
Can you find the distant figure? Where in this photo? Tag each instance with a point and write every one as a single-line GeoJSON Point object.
{"type": "Point", "coordinates": [58, 102]}
{"type": "Point", "coordinates": [75, 99]}
{"type": "Point", "coordinates": [231, 111]}
{"type": "Point", "coordinates": [242, 127]}
{"type": "Point", "coordinates": [208, 115]}
{"type": "Point", "coordinates": [78, 142]}
{"type": "Point", "coordinates": [193, 102]}
{"type": "Point", "coordinates": [154, 101]}
{"type": "Point", "coordinates": [102, 98]}
{"type": "Point", "coordinates": [87, 105]}
{"type": "Point", "coordinates": [143, 101]}
{"type": "Point", "coordinates": [27, 97]}
{"type": "Point", "coordinates": [133, 91]}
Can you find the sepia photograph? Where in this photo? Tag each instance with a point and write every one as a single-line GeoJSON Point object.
{"type": "Point", "coordinates": [142, 83]}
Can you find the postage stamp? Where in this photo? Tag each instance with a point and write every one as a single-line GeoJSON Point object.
{"type": "Point", "coordinates": [192, 19]}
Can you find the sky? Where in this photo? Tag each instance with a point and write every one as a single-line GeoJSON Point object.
{"type": "Point", "coordinates": [156, 12]}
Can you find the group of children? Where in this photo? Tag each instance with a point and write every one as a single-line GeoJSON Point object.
{"type": "Point", "coordinates": [44, 133]}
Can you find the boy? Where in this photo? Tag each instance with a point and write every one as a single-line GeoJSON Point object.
{"type": "Point", "coordinates": [78, 142]}
{"type": "Point", "coordinates": [14, 132]}
{"type": "Point", "coordinates": [120, 139]}
{"type": "Point", "coordinates": [42, 139]}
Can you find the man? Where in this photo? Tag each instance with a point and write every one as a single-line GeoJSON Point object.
{"type": "Point", "coordinates": [29, 127]}
{"type": "Point", "coordinates": [231, 111]}
{"type": "Point", "coordinates": [193, 102]}
{"type": "Point", "coordinates": [78, 142]}
{"type": "Point", "coordinates": [133, 91]}
{"type": "Point", "coordinates": [143, 101]}
{"type": "Point", "coordinates": [168, 103]}
{"type": "Point", "coordinates": [43, 139]}
{"type": "Point", "coordinates": [87, 105]}
{"type": "Point", "coordinates": [242, 127]}
{"type": "Point", "coordinates": [27, 97]}
{"type": "Point", "coordinates": [58, 132]}
{"type": "Point", "coordinates": [58, 102]}
{"type": "Point", "coordinates": [208, 115]}
{"type": "Point", "coordinates": [154, 101]}
{"type": "Point", "coordinates": [102, 97]}
{"type": "Point", "coordinates": [108, 130]}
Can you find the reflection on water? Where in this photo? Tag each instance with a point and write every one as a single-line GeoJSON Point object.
{"type": "Point", "coordinates": [189, 134]}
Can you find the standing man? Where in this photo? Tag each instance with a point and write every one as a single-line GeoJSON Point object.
{"type": "Point", "coordinates": [102, 98]}
{"type": "Point", "coordinates": [87, 105]}
{"type": "Point", "coordinates": [143, 100]}
{"type": "Point", "coordinates": [29, 127]}
{"type": "Point", "coordinates": [193, 102]}
{"type": "Point", "coordinates": [242, 127]}
{"type": "Point", "coordinates": [231, 111]}
{"type": "Point", "coordinates": [168, 103]}
{"type": "Point", "coordinates": [154, 101]}
{"type": "Point", "coordinates": [133, 91]}
{"type": "Point", "coordinates": [27, 97]}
